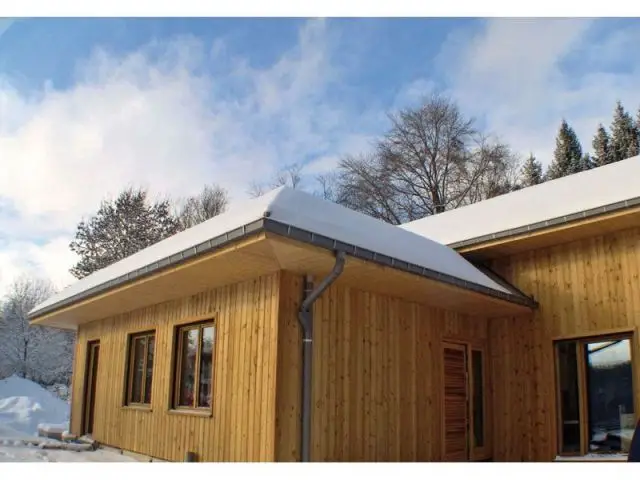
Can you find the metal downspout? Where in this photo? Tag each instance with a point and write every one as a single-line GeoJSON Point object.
{"type": "Point", "coordinates": [305, 317]}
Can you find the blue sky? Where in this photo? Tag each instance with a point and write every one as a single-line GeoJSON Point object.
{"type": "Point", "coordinates": [88, 106]}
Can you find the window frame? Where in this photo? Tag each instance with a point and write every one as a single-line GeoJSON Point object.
{"type": "Point", "coordinates": [130, 369]}
{"type": "Point", "coordinates": [174, 403]}
{"type": "Point", "coordinates": [478, 451]}
{"type": "Point", "coordinates": [583, 392]}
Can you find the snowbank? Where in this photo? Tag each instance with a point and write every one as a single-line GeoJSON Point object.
{"type": "Point", "coordinates": [25, 404]}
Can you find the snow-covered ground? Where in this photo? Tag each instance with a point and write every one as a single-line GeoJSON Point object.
{"type": "Point", "coordinates": [25, 405]}
{"type": "Point", "coordinates": [35, 454]}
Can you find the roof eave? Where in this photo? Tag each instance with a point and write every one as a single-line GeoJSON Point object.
{"type": "Point", "coordinates": [268, 225]}
{"type": "Point", "coordinates": [553, 222]}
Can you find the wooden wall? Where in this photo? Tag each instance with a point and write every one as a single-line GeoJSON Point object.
{"type": "Point", "coordinates": [586, 287]}
{"type": "Point", "coordinates": [242, 426]}
{"type": "Point", "coordinates": [377, 375]}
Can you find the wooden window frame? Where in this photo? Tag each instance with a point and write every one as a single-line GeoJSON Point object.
{"type": "Point", "coordinates": [131, 369]}
{"type": "Point", "coordinates": [177, 367]}
{"type": "Point", "coordinates": [484, 451]}
{"type": "Point", "coordinates": [580, 343]}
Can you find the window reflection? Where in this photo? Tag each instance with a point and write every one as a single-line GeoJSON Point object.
{"type": "Point", "coordinates": [610, 395]}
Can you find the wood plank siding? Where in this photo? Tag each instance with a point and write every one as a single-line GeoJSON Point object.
{"type": "Point", "coordinates": [242, 424]}
{"type": "Point", "coordinates": [378, 388]}
{"type": "Point", "coordinates": [377, 376]}
{"type": "Point", "coordinates": [587, 287]}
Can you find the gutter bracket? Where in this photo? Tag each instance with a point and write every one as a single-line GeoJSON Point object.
{"type": "Point", "coordinates": [305, 317]}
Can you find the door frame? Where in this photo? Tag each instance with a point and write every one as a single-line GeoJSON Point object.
{"type": "Point", "coordinates": [89, 391]}
{"type": "Point", "coordinates": [470, 345]}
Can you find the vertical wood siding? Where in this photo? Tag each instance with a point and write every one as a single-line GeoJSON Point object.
{"type": "Point", "coordinates": [377, 377]}
{"type": "Point", "coordinates": [586, 287]}
{"type": "Point", "coordinates": [242, 427]}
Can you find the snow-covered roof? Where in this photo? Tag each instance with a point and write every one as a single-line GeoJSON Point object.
{"type": "Point", "coordinates": [554, 199]}
{"type": "Point", "coordinates": [295, 209]}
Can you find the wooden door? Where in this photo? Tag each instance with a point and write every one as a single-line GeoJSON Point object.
{"type": "Point", "coordinates": [455, 404]}
{"type": "Point", "coordinates": [91, 375]}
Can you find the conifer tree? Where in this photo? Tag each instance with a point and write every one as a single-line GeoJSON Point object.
{"type": "Point", "coordinates": [587, 162]}
{"type": "Point", "coordinates": [567, 157]}
{"type": "Point", "coordinates": [120, 228]}
{"type": "Point", "coordinates": [601, 147]}
{"type": "Point", "coordinates": [637, 127]}
{"type": "Point", "coordinates": [624, 135]}
{"type": "Point", "coordinates": [531, 172]}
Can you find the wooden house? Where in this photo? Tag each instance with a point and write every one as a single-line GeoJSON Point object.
{"type": "Point", "coordinates": [293, 329]}
{"type": "Point", "coordinates": [564, 381]}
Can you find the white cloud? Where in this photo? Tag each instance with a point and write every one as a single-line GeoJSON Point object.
{"type": "Point", "coordinates": [522, 77]}
{"type": "Point", "coordinates": [153, 118]}
{"type": "Point", "coordinates": [160, 118]}
{"type": "Point", "coordinates": [349, 144]}
{"type": "Point", "coordinates": [50, 261]}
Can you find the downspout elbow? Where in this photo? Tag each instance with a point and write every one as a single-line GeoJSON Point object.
{"type": "Point", "coordinates": [304, 314]}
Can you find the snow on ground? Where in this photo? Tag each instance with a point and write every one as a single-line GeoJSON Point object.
{"type": "Point", "coordinates": [35, 454]}
{"type": "Point", "coordinates": [24, 406]}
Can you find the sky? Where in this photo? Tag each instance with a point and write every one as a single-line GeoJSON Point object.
{"type": "Point", "coordinates": [89, 106]}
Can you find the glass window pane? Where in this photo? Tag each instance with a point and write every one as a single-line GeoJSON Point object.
{"type": "Point", "coordinates": [138, 369]}
{"type": "Point", "coordinates": [206, 368]}
{"type": "Point", "coordinates": [569, 397]}
{"type": "Point", "coordinates": [189, 342]}
{"type": "Point", "coordinates": [478, 399]}
{"type": "Point", "coordinates": [610, 395]}
{"type": "Point", "coordinates": [149, 376]}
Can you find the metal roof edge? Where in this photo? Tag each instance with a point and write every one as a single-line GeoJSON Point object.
{"type": "Point", "coordinates": [368, 255]}
{"type": "Point", "coordinates": [170, 261]}
{"type": "Point", "coordinates": [537, 226]}
{"type": "Point", "coordinates": [285, 230]}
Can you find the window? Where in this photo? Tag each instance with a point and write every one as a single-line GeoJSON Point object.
{"type": "Point", "coordinates": [478, 398]}
{"type": "Point", "coordinates": [194, 366]}
{"type": "Point", "coordinates": [140, 368]}
{"type": "Point", "coordinates": [595, 395]}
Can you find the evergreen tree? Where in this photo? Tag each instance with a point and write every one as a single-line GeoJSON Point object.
{"type": "Point", "coordinates": [567, 157]}
{"type": "Point", "coordinates": [587, 162]}
{"type": "Point", "coordinates": [637, 126]}
{"type": "Point", "coordinates": [119, 229]}
{"type": "Point", "coordinates": [624, 135]}
{"type": "Point", "coordinates": [531, 172]}
{"type": "Point", "coordinates": [601, 147]}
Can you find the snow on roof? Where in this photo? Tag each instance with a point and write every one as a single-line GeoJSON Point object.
{"type": "Point", "coordinates": [568, 195]}
{"type": "Point", "coordinates": [304, 211]}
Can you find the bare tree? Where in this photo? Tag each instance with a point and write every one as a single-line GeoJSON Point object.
{"type": "Point", "coordinates": [328, 186]}
{"type": "Point", "coordinates": [211, 201]}
{"type": "Point", "coordinates": [42, 354]}
{"type": "Point", "coordinates": [290, 176]}
{"type": "Point", "coordinates": [432, 159]}
{"type": "Point", "coordinates": [498, 175]}
{"type": "Point", "coordinates": [362, 186]}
